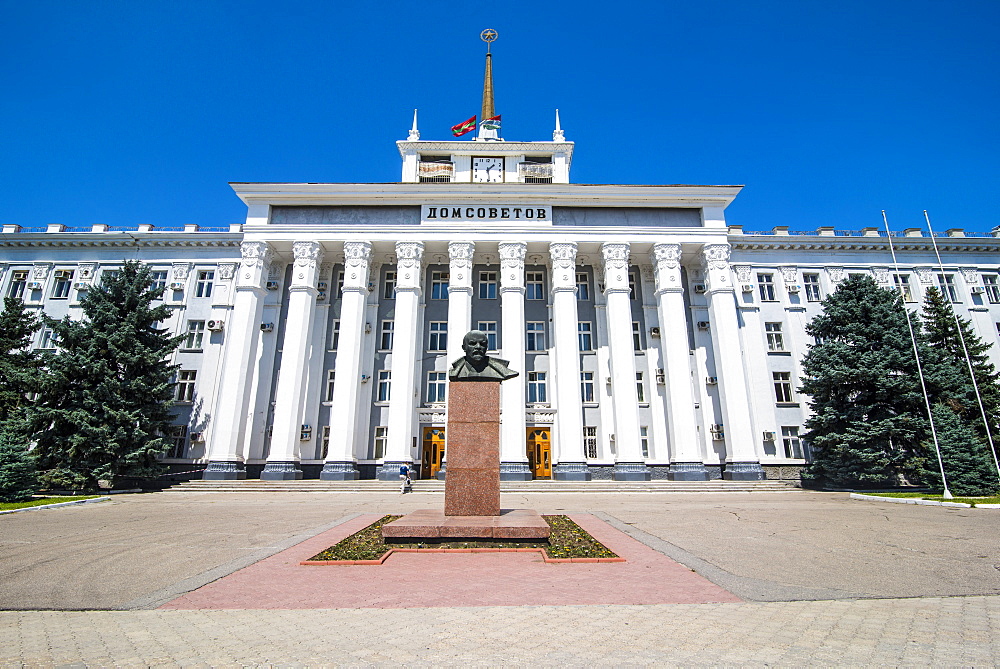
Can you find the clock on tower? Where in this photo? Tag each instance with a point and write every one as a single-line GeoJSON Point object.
{"type": "Point", "coordinates": [487, 170]}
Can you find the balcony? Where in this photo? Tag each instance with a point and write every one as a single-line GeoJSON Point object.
{"type": "Point", "coordinates": [435, 172]}
{"type": "Point", "coordinates": [535, 173]}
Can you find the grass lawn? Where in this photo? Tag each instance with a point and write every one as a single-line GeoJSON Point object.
{"type": "Point", "coordinates": [995, 499]}
{"type": "Point", "coordinates": [42, 501]}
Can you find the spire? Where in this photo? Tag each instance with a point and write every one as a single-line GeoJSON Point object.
{"type": "Point", "coordinates": [557, 134]}
{"type": "Point", "coordinates": [415, 134]}
{"type": "Point", "coordinates": [488, 36]}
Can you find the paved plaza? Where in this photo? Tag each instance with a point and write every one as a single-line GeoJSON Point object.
{"type": "Point", "coordinates": [814, 578]}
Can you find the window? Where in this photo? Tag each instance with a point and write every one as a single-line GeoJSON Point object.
{"type": "Point", "coordinates": [487, 285]}
{"type": "Point", "coordinates": [590, 441]}
{"type": "Point", "coordinates": [335, 337]}
{"type": "Point", "coordinates": [533, 286]}
{"type": "Point", "coordinates": [204, 285]}
{"type": "Point", "coordinates": [331, 375]}
{"type": "Point", "coordinates": [992, 289]}
{"type": "Point", "coordinates": [811, 282]}
{"type": "Point", "coordinates": [340, 285]}
{"type": "Point", "coordinates": [535, 336]}
{"type": "Point", "coordinates": [644, 440]}
{"type": "Point", "coordinates": [439, 285]}
{"type": "Point", "coordinates": [640, 388]}
{"type": "Point", "coordinates": [381, 436]}
{"type": "Point", "coordinates": [385, 340]}
{"type": "Point", "coordinates": [184, 391]}
{"type": "Point", "coordinates": [389, 289]}
{"type": "Point", "coordinates": [582, 286]}
{"type": "Point", "coordinates": [765, 284]}
{"type": "Point", "coordinates": [439, 336]}
{"type": "Point", "coordinates": [636, 336]}
{"type": "Point", "coordinates": [47, 341]}
{"type": "Point", "coordinates": [632, 280]}
{"type": "Point", "coordinates": [585, 336]}
{"type": "Point", "coordinates": [436, 386]}
{"type": "Point", "coordinates": [178, 441]}
{"type": "Point", "coordinates": [587, 387]}
{"type": "Point", "coordinates": [158, 279]}
{"type": "Point", "coordinates": [775, 340]}
{"type": "Point", "coordinates": [325, 448]}
{"type": "Point", "coordinates": [195, 335]}
{"type": "Point", "coordinates": [782, 386]}
{"type": "Point", "coordinates": [110, 274]}
{"type": "Point", "coordinates": [18, 281]}
{"type": "Point", "coordinates": [64, 280]}
{"type": "Point", "coordinates": [902, 282]}
{"type": "Point", "coordinates": [946, 282]}
{"type": "Point", "coordinates": [384, 381]}
{"type": "Point", "coordinates": [790, 439]}
{"type": "Point", "coordinates": [490, 328]}
{"type": "Point", "coordinates": [536, 388]}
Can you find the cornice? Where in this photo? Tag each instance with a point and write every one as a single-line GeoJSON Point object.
{"type": "Point", "coordinates": [120, 240]}
{"type": "Point", "coordinates": [480, 148]}
{"type": "Point", "coordinates": [824, 243]}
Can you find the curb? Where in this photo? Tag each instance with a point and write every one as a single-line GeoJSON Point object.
{"type": "Point", "coordinates": [52, 506]}
{"type": "Point", "coordinates": [540, 551]}
{"type": "Point", "coordinates": [922, 502]}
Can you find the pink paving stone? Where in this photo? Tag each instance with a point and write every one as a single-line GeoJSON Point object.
{"type": "Point", "coordinates": [407, 580]}
{"type": "Point", "coordinates": [434, 524]}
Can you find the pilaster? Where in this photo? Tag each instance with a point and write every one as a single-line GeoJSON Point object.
{"type": "Point", "coordinates": [513, 459]}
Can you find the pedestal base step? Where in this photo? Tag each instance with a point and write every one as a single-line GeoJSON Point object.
{"type": "Point", "coordinates": [433, 525]}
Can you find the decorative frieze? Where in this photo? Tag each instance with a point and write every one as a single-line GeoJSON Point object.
{"type": "Point", "coordinates": [881, 274]}
{"type": "Point", "coordinates": [836, 274]}
{"type": "Point", "coordinates": [970, 274]}
{"type": "Point", "coordinates": [790, 273]}
{"type": "Point", "coordinates": [227, 270]}
{"type": "Point", "coordinates": [924, 274]}
{"type": "Point", "coordinates": [40, 271]}
{"type": "Point", "coordinates": [744, 273]}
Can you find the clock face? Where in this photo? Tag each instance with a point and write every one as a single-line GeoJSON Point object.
{"type": "Point", "coordinates": [487, 170]}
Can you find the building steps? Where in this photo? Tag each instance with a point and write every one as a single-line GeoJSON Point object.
{"type": "Point", "coordinates": [434, 486]}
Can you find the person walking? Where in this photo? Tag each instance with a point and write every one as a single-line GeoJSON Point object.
{"type": "Point", "coordinates": [404, 479]}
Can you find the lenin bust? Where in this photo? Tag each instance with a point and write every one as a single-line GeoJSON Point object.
{"type": "Point", "coordinates": [476, 365]}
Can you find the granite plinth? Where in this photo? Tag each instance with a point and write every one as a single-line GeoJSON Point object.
{"type": "Point", "coordinates": [435, 525]}
{"type": "Point", "coordinates": [472, 487]}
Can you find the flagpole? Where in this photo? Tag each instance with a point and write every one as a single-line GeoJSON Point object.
{"type": "Point", "coordinates": [965, 350]}
{"type": "Point", "coordinates": [916, 354]}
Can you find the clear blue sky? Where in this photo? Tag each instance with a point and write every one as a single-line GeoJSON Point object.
{"type": "Point", "coordinates": [141, 112]}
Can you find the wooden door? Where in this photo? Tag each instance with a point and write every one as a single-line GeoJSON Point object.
{"type": "Point", "coordinates": [433, 452]}
{"type": "Point", "coordinates": [539, 452]}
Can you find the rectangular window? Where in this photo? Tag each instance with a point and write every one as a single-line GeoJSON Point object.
{"type": "Point", "coordinates": [18, 281]}
{"type": "Point", "coordinates": [902, 283]}
{"type": "Point", "coordinates": [533, 286]}
{"type": "Point", "coordinates": [384, 381]}
{"type": "Point", "coordinates": [590, 441]}
{"type": "Point", "coordinates": [195, 335]}
{"type": "Point", "coordinates": [636, 336]}
{"type": "Point", "coordinates": [204, 285]}
{"type": "Point", "coordinates": [782, 386]}
{"type": "Point", "coordinates": [640, 388]}
{"type": "Point", "coordinates": [47, 342]}
{"type": "Point", "coordinates": [644, 440]}
{"type": "Point", "coordinates": [765, 284]}
{"type": "Point", "coordinates": [487, 285]}
{"type": "Point", "coordinates": [582, 286]}
{"type": "Point", "coordinates": [385, 339]}
{"type": "Point", "coordinates": [325, 449]}
{"type": "Point", "coordinates": [632, 281]}
{"type": "Point", "coordinates": [811, 283]}
{"type": "Point", "coordinates": [184, 392]}
{"type": "Point", "coordinates": [109, 274]}
{"type": "Point", "coordinates": [178, 441]}
{"type": "Point", "coordinates": [992, 288]}
{"type": "Point", "coordinates": [775, 340]}
{"type": "Point", "coordinates": [536, 388]}
{"type": "Point", "coordinates": [331, 375]}
{"type": "Point", "coordinates": [535, 336]}
{"type": "Point", "coordinates": [585, 335]}
{"type": "Point", "coordinates": [438, 336]}
{"type": "Point", "coordinates": [439, 285]}
{"type": "Point", "coordinates": [381, 436]}
{"type": "Point", "coordinates": [158, 279]}
{"type": "Point", "coordinates": [389, 289]}
{"type": "Point", "coordinates": [587, 387]}
{"type": "Point", "coordinates": [946, 282]}
{"type": "Point", "coordinates": [64, 281]}
{"type": "Point", "coordinates": [436, 382]}
{"type": "Point", "coordinates": [791, 442]}
{"type": "Point", "coordinates": [490, 328]}
{"type": "Point", "coordinates": [335, 336]}
{"type": "Point", "coordinates": [340, 285]}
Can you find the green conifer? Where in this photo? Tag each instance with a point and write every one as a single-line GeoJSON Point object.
{"type": "Point", "coordinates": [18, 477]}
{"type": "Point", "coordinates": [19, 365]}
{"type": "Point", "coordinates": [968, 463]}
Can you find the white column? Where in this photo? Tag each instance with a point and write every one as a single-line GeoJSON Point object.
{"type": "Point", "coordinates": [570, 461]}
{"type": "Point", "coordinates": [289, 396]}
{"type": "Point", "coordinates": [225, 461]}
{"type": "Point", "coordinates": [686, 462]}
{"type": "Point", "coordinates": [405, 346]}
{"type": "Point", "coordinates": [513, 459]}
{"type": "Point", "coordinates": [459, 296]}
{"type": "Point", "coordinates": [742, 461]}
{"type": "Point", "coordinates": [344, 427]}
{"type": "Point", "coordinates": [629, 463]}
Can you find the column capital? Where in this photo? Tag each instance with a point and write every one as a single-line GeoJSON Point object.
{"type": "Point", "coordinates": [715, 262]}
{"type": "Point", "coordinates": [254, 264]}
{"type": "Point", "coordinates": [615, 258]}
{"type": "Point", "coordinates": [563, 255]}
{"type": "Point", "coordinates": [409, 258]}
{"type": "Point", "coordinates": [460, 266]}
{"type": "Point", "coordinates": [667, 267]}
{"type": "Point", "coordinates": [357, 257]}
{"type": "Point", "coordinates": [305, 268]}
{"type": "Point", "coordinates": [512, 265]}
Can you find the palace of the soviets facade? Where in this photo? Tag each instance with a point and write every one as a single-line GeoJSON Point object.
{"type": "Point", "coordinates": [653, 339]}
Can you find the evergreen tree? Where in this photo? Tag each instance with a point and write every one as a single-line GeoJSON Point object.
{"type": "Point", "coordinates": [19, 366]}
{"type": "Point", "coordinates": [967, 461]}
{"type": "Point", "coordinates": [18, 478]}
{"type": "Point", "coordinates": [103, 407]}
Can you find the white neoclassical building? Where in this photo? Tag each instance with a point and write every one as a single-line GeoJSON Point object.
{"type": "Point", "coordinates": [653, 340]}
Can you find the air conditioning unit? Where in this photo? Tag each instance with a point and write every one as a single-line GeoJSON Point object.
{"type": "Point", "coordinates": [661, 378]}
{"type": "Point", "coordinates": [321, 286]}
{"type": "Point", "coordinates": [746, 287]}
{"type": "Point", "coordinates": [769, 436]}
{"type": "Point", "coordinates": [216, 325]}
{"type": "Point", "coordinates": [321, 295]}
{"type": "Point", "coordinates": [305, 434]}
{"type": "Point", "coordinates": [792, 288]}
{"type": "Point", "coordinates": [702, 325]}
{"type": "Point", "coordinates": [197, 436]}
{"type": "Point", "coordinates": [718, 433]}
{"type": "Point", "coordinates": [177, 285]}
{"type": "Point", "coordinates": [34, 285]}
{"type": "Point", "coordinates": [81, 285]}
{"type": "Point", "coordinates": [699, 288]}
{"type": "Point", "coordinates": [271, 285]}
{"type": "Point", "coordinates": [711, 380]}
{"type": "Point", "coordinates": [654, 332]}
{"type": "Point", "coordinates": [608, 380]}
{"type": "Point", "coordinates": [978, 290]}
{"type": "Point", "coordinates": [64, 274]}
{"type": "Point", "coordinates": [267, 327]}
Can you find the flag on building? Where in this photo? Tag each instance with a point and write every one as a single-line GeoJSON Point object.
{"type": "Point", "coordinates": [492, 123]}
{"type": "Point", "coordinates": [464, 127]}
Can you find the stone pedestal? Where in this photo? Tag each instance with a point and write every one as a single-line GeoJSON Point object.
{"type": "Point", "coordinates": [472, 487]}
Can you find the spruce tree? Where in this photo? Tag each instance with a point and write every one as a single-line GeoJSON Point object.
{"type": "Point", "coordinates": [19, 366]}
{"type": "Point", "coordinates": [967, 461]}
{"type": "Point", "coordinates": [103, 407]}
{"type": "Point", "coordinates": [18, 477]}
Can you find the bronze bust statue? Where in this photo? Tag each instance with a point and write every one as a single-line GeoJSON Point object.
{"type": "Point", "coordinates": [476, 365]}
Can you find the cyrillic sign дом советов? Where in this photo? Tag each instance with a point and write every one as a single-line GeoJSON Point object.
{"type": "Point", "coordinates": [479, 214]}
